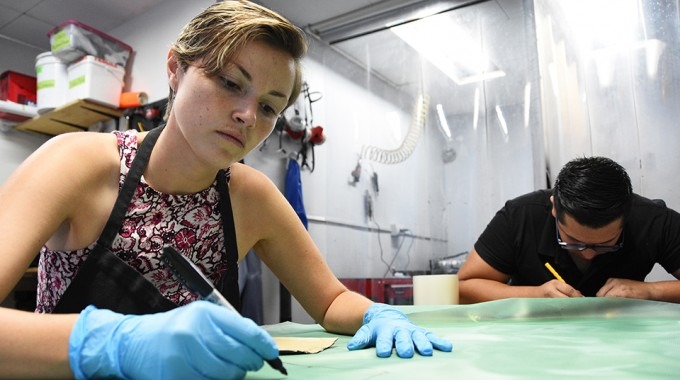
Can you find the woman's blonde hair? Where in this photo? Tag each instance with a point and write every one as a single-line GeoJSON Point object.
{"type": "Point", "coordinates": [221, 30]}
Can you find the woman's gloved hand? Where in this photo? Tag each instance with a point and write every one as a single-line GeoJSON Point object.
{"type": "Point", "coordinates": [386, 327]}
{"type": "Point", "coordinates": [199, 340]}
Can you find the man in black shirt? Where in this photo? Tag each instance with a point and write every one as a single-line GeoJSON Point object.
{"type": "Point", "coordinates": [590, 236]}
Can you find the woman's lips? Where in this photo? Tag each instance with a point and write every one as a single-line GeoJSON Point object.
{"type": "Point", "coordinates": [233, 137]}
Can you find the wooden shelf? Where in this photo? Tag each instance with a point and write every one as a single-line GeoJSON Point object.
{"type": "Point", "coordinates": [72, 117]}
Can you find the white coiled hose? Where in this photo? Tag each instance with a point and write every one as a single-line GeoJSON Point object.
{"type": "Point", "coordinates": [407, 147]}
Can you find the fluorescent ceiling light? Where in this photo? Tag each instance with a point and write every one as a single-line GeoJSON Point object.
{"type": "Point", "coordinates": [379, 16]}
{"type": "Point", "coordinates": [606, 59]}
{"type": "Point", "coordinates": [653, 50]}
{"type": "Point", "coordinates": [594, 23]}
{"type": "Point", "coordinates": [442, 122]}
{"type": "Point", "coordinates": [461, 58]}
{"type": "Point", "coordinates": [501, 119]}
{"type": "Point", "coordinates": [475, 117]}
{"type": "Point", "coordinates": [611, 35]}
{"type": "Point", "coordinates": [527, 103]}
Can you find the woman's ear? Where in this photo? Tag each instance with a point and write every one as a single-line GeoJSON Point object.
{"type": "Point", "coordinates": [173, 71]}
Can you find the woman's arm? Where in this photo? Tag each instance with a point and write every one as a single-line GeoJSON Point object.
{"type": "Point", "coordinates": [47, 199]}
{"type": "Point", "coordinates": [265, 221]}
{"type": "Point", "coordinates": [34, 345]}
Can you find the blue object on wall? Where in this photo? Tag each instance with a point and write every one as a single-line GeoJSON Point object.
{"type": "Point", "coordinates": [293, 190]}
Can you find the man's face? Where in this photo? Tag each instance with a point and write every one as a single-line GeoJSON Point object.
{"type": "Point", "coordinates": [587, 242]}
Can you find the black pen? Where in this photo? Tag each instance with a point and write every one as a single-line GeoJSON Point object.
{"type": "Point", "coordinates": [192, 277]}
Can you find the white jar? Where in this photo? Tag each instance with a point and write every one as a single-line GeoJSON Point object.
{"type": "Point", "coordinates": [51, 82]}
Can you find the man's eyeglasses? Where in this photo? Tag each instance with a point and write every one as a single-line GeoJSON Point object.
{"type": "Point", "coordinates": [599, 248]}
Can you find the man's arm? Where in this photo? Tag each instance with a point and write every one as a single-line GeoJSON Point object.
{"type": "Point", "coordinates": [479, 282]}
{"type": "Point", "coordinates": [667, 291]}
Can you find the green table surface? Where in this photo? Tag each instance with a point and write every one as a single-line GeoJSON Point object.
{"type": "Point", "coordinates": [584, 338]}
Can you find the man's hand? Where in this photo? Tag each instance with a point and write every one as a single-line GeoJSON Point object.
{"type": "Point", "coordinates": [557, 289]}
{"type": "Point", "coordinates": [619, 287]}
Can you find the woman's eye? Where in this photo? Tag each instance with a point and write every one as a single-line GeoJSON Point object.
{"type": "Point", "coordinates": [230, 84]}
{"type": "Point", "coordinates": [269, 110]}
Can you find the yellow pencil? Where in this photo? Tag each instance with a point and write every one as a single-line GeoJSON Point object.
{"type": "Point", "coordinates": [554, 272]}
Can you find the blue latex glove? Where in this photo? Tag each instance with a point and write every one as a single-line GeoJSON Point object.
{"type": "Point", "coordinates": [386, 327]}
{"type": "Point", "coordinates": [196, 341]}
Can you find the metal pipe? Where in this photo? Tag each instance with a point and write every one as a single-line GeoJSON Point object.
{"type": "Point", "coordinates": [323, 220]}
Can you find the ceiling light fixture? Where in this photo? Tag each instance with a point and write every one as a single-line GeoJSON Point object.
{"type": "Point", "coordinates": [442, 121]}
{"type": "Point", "coordinates": [461, 58]}
{"type": "Point", "coordinates": [381, 16]}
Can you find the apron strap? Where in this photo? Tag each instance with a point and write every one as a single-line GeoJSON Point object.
{"type": "Point", "coordinates": [228, 285]}
{"type": "Point", "coordinates": [127, 191]}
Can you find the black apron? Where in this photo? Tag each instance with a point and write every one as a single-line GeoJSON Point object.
{"type": "Point", "coordinates": [107, 282]}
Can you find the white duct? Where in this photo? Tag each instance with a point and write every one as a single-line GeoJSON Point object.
{"type": "Point", "coordinates": [407, 147]}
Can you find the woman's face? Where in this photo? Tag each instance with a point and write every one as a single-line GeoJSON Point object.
{"type": "Point", "coordinates": [224, 117]}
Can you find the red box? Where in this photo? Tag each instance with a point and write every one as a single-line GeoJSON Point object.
{"type": "Point", "coordinates": [392, 291]}
{"type": "Point", "coordinates": [17, 88]}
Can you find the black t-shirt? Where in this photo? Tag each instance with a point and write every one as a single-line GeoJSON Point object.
{"type": "Point", "coordinates": [521, 238]}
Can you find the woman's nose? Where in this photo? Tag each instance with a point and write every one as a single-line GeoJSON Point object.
{"type": "Point", "coordinates": [246, 113]}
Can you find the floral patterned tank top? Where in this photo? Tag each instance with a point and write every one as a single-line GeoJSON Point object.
{"type": "Point", "coordinates": [190, 223]}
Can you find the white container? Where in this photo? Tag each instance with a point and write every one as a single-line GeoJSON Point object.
{"type": "Point", "coordinates": [435, 289]}
{"type": "Point", "coordinates": [72, 40]}
{"type": "Point", "coordinates": [94, 79]}
{"type": "Point", "coordinates": [51, 82]}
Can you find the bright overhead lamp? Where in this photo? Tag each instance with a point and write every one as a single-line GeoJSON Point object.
{"type": "Point", "coordinates": [442, 122]}
{"type": "Point", "coordinates": [461, 58]}
{"type": "Point", "coordinates": [381, 16]}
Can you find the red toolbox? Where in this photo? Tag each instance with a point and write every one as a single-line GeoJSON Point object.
{"type": "Point", "coordinates": [18, 88]}
{"type": "Point", "coordinates": [392, 291]}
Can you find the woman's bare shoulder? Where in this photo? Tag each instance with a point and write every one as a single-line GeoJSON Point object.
{"type": "Point", "coordinates": [71, 162]}
{"type": "Point", "coordinates": [250, 181]}
{"type": "Point", "coordinates": [81, 142]}
{"type": "Point", "coordinates": [255, 194]}
{"type": "Point", "coordinates": [253, 191]}
{"type": "Point", "coordinates": [86, 151]}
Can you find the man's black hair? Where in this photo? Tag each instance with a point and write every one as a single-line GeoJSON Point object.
{"type": "Point", "coordinates": [595, 191]}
